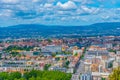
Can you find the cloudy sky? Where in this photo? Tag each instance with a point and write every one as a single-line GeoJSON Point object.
{"type": "Point", "coordinates": [58, 12]}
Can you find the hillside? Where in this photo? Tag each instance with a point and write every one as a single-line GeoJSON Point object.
{"type": "Point", "coordinates": [36, 30]}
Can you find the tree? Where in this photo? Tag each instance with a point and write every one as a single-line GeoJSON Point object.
{"type": "Point", "coordinates": [76, 54]}
{"type": "Point", "coordinates": [14, 75]}
{"type": "Point", "coordinates": [110, 65]}
{"type": "Point", "coordinates": [14, 54]}
{"type": "Point", "coordinates": [36, 75]}
{"type": "Point", "coordinates": [22, 79]}
{"type": "Point", "coordinates": [111, 50]}
{"type": "Point", "coordinates": [46, 67]}
{"type": "Point", "coordinates": [82, 56]}
{"type": "Point", "coordinates": [38, 78]}
{"type": "Point", "coordinates": [3, 76]}
{"type": "Point", "coordinates": [103, 79]}
{"type": "Point", "coordinates": [115, 75]}
{"type": "Point", "coordinates": [66, 64]}
{"type": "Point", "coordinates": [53, 54]}
{"type": "Point", "coordinates": [32, 73]}
{"type": "Point", "coordinates": [49, 40]}
{"type": "Point", "coordinates": [32, 78]}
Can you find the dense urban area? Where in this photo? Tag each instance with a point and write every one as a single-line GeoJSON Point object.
{"type": "Point", "coordinates": [59, 39]}
{"type": "Point", "coordinates": [84, 58]}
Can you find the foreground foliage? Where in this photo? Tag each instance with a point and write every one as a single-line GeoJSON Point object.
{"type": "Point", "coordinates": [115, 75]}
{"type": "Point", "coordinates": [35, 75]}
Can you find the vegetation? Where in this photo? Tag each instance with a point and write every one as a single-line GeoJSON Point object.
{"type": "Point", "coordinates": [115, 75]}
{"type": "Point", "coordinates": [103, 79]}
{"type": "Point", "coordinates": [66, 64]}
{"type": "Point", "coordinates": [111, 50]}
{"type": "Point", "coordinates": [110, 65]}
{"type": "Point", "coordinates": [49, 40]}
{"type": "Point", "coordinates": [63, 52]}
{"type": "Point", "coordinates": [67, 52]}
{"type": "Point", "coordinates": [15, 48]}
{"type": "Point", "coordinates": [83, 53]}
{"type": "Point", "coordinates": [14, 54]}
{"type": "Point", "coordinates": [75, 54]}
{"type": "Point", "coordinates": [85, 50]}
{"type": "Point", "coordinates": [46, 67]}
{"type": "Point", "coordinates": [35, 75]}
{"type": "Point", "coordinates": [82, 56]}
{"type": "Point", "coordinates": [53, 54]}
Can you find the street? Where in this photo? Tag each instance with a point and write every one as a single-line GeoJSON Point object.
{"type": "Point", "coordinates": [80, 69]}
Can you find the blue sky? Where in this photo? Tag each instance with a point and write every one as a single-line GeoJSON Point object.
{"type": "Point", "coordinates": [58, 12]}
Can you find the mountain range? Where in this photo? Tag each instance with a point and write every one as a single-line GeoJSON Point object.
{"type": "Point", "coordinates": [37, 30]}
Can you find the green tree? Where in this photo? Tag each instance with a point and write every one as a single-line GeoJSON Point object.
{"type": "Point", "coordinates": [66, 64]}
{"type": "Point", "coordinates": [35, 75]}
{"type": "Point", "coordinates": [103, 79]}
{"type": "Point", "coordinates": [14, 75]}
{"type": "Point", "coordinates": [38, 78]}
{"type": "Point", "coordinates": [49, 40]}
{"type": "Point", "coordinates": [46, 67]}
{"type": "Point", "coordinates": [75, 54]}
{"type": "Point", "coordinates": [53, 54]}
{"type": "Point", "coordinates": [22, 79]}
{"type": "Point", "coordinates": [3, 76]}
{"type": "Point", "coordinates": [32, 78]}
{"type": "Point", "coordinates": [115, 75]}
{"type": "Point", "coordinates": [32, 73]}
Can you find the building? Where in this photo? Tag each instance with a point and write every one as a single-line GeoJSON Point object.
{"type": "Point", "coordinates": [52, 48]}
{"type": "Point", "coordinates": [86, 76]}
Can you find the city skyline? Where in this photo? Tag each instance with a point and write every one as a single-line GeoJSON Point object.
{"type": "Point", "coordinates": [58, 12]}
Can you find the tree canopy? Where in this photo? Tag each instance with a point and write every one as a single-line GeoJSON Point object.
{"type": "Point", "coordinates": [115, 75]}
{"type": "Point", "coordinates": [35, 75]}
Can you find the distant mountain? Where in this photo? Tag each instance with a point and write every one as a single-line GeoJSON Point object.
{"type": "Point", "coordinates": [36, 30]}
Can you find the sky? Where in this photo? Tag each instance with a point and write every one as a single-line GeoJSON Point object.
{"type": "Point", "coordinates": [58, 12]}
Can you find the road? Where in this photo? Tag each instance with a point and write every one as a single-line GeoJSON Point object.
{"type": "Point", "coordinates": [80, 69]}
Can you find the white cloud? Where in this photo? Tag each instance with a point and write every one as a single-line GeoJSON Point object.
{"type": "Point", "coordinates": [47, 10]}
{"type": "Point", "coordinates": [83, 1]}
{"type": "Point", "coordinates": [43, 1]}
{"type": "Point", "coordinates": [6, 13]}
{"type": "Point", "coordinates": [68, 5]}
{"type": "Point", "coordinates": [91, 10]}
{"type": "Point", "coordinates": [48, 5]}
{"type": "Point", "coordinates": [86, 9]}
{"type": "Point", "coordinates": [35, 0]}
{"type": "Point", "coordinates": [10, 1]}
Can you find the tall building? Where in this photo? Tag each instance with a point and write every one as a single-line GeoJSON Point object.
{"type": "Point", "coordinates": [86, 76]}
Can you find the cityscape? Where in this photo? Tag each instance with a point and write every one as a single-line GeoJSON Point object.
{"type": "Point", "coordinates": [90, 58]}
{"type": "Point", "coordinates": [59, 40]}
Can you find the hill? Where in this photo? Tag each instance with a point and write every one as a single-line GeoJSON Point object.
{"type": "Point", "coordinates": [36, 30]}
